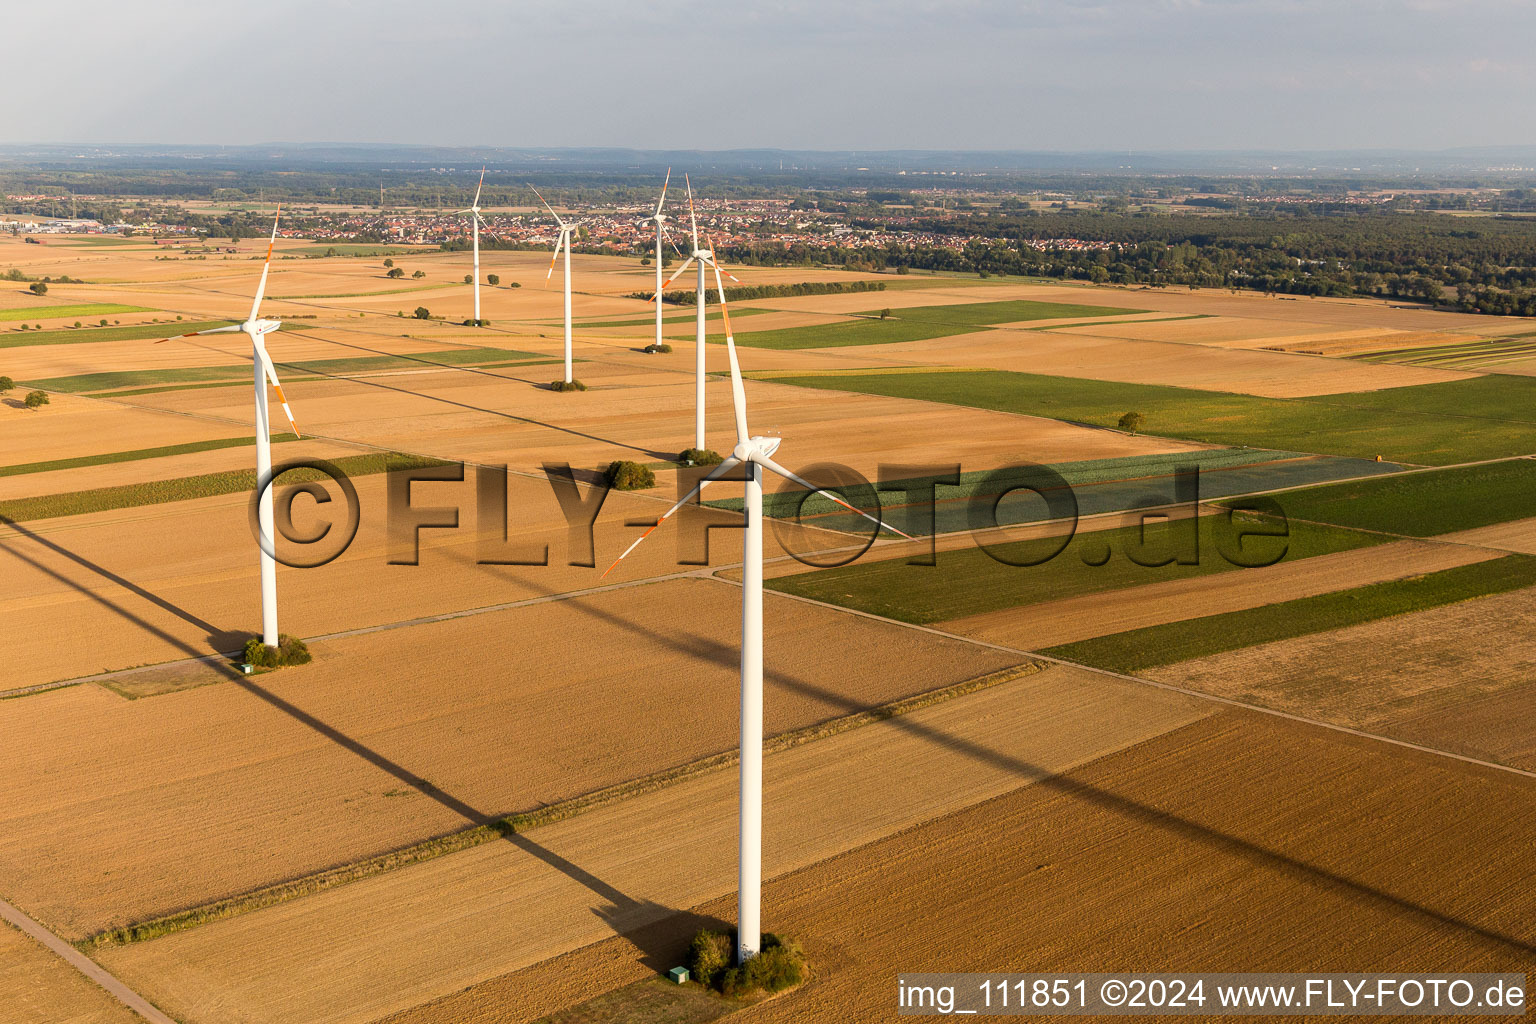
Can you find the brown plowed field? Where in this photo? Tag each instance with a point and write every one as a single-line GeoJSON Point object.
{"type": "Point", "coordinates": [1237, 843]}
{"type": "Point", "coordinates": [1175, 362]}
{"type": "Point", "coordinates": [1421, 668]}
{"type": "Point", "coordinates": [120, 810]}
{"type": "Point", "coordinates": [1519, 535]}
{"type": "Point", "coordinates": [40, 988]}
{"type": "Point", "coordinates": [1078, 618]}
{"type": "Point", "coordinates": [390, 942]}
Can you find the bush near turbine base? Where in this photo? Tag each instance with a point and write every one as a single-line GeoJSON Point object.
{"type": "Point", "coordinates": [654, 348]}
{"type": "Point", "coordinates": [629, 476]}
{"type": "Point", "coordinates": [780, 964]}
{"type": "Point", "coordinates": [699, 457]}
{"type": "Point", "coordinates": [566, 385]}
{"type": "Point", "coordinates": [472, 322]}
{"type": "Point", "coordinates": [709, 957]}
{"type": "Point", "coordinates": [290, 650]}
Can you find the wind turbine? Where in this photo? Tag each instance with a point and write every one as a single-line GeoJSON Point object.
{"type": "Point", "coordinates": [257, 329]}
{"type": "Point", "coordinates": [701, 258]}
{"type": "Point", "coordinates": [563, 240]}
{"type": "Point", "coordinates": [756, 453]}
{"type": "Point", "coordinates": [659, 219]}
{"type": "Point", "coordinates": [474, 212]}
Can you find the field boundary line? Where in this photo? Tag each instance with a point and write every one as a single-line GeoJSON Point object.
{"type": "Point", "coordinates": [82, 963]}
{"type": "Point", "coordinates": [525, 821]}
{"type": "Point", "coordinates": [1155, 684]}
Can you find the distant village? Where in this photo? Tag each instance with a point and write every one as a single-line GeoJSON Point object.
{"type": "Point", "coordinates": [725, 223]}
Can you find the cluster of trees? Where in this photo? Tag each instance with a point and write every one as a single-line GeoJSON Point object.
{"type": "Point", "coordinates": [743, 293]}
{"type": "Point", "coordinates": [34, 399]}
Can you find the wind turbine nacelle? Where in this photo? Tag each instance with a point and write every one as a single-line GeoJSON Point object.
{"type": "Point", "coordinates": [764, 446]}
{"type": "Point", "coordinates": [264, 326]}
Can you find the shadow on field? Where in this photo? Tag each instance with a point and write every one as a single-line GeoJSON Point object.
{"type": "Point", "coordinates": [681, 640]}
{"type": "Point", "coordinates": [219, 641]}
{"type": "Point", "coordinates": [657, 929]}
{"type": "Point", "coordinates": [618, 908]}
{"type": "Point", "coordinates": [374, 382]}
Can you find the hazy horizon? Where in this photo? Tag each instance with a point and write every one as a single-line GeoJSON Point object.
{"type": "Point", "coordinates": [984, 75]}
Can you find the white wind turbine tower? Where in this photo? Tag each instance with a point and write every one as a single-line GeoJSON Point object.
{"type": "Point", "coordinates": [756, 453]}
{"type": "Point", "coordinates": [566, 229]}
{"type": "Point", "coordinates": [257, 329]}
{"type": "Point", "coordinates": [474, 212]}
{"type": "Point", "coordinates": [659, 219]}
{"type": "Point", "coordinates": [702, 258]}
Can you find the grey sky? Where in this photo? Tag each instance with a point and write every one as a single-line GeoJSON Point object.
{"type": "Point", "coordinates": [895, 74]}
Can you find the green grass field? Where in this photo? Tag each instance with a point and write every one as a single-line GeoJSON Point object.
{"type": "Point", "coordinates": [86, 309]}
{"type": "Point", "coordinates": [1430, 424]}
{"type": "Point", "coordinates": [918, 323]}
{"type": "Point", "coordinates": [207, 485]}
{"type": "Point", "coordinates": [1172, 642]}
{"type": "Point", "coordinates": [674, 319]}
{"type": "Point", "coordinates": [1422, 504]}
{"type": "Point", "coordinates": [24, 468]}
{"type": "Point", "coordinates": [969, 581]}
{"type": "Point", "coordinates": [193, 375]}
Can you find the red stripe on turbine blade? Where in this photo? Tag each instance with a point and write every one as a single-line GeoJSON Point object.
{"type": "Point", "coordinates": [632, 547]}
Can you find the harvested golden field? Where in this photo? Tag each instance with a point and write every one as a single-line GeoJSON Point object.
{"type": "Point", "coordinates": [128, 809]}
{"type": "Point", "coordinates": [1178, 364]}
{"type": "Point", "coordinates": [1438, 660]}
{"type": "Point", "coordinates": [1236, 332]}
{"type": "Point", "coordinates": [166, 467]}
{"type": "Point", "coordinates": [329, 341]}
{"type": "Point", "coordinates": [1149, 859]}
{"type": "Point", "coordinates": [642, 408]}
{"type": "Point", "coordinates": [1154, 859]}
{"type": "Point", "coordinates": [1079, 618]}
{"type": "Point", "coordinates": [107, 574]}
{"type": "Point", "coordinates": [73, 426]}
{"type": "Point", "coordinates": [390, 942]}
{"type": "Point", "coordinates": [42, 989]}
{"type": "Point", "coordinates": [1355, 342]}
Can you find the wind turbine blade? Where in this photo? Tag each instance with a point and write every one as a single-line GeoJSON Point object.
{"type": "Point", "coordinates": [232, 328]}
{"type": "Point", "coordinates": [554, 257]}
{"type": "Point", "coordinates": [551, 209]}
{"type": "Point", "coordinates": [725, 467]}
{"type": "Point", "coordinates": [668, 236]}
{"type": "Point", "coordinates": [769, 464]}
{"type": "Point", "coordinates": [691, 218]}
{"type": "Point", "coordinates": [679, 272]}
{"type": "Point", "coordinates": [738, 392]}
{"type": "Point", "coordinates": [663, 193]}
{"type": "Point", "coordinates": [476, 204]}
{"type": "Point", "coordinates": [727, 273]}
{"type": "Point", "coordinates": [277, 385]}
{"type": "Point", "coordinates": [261, 287]}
